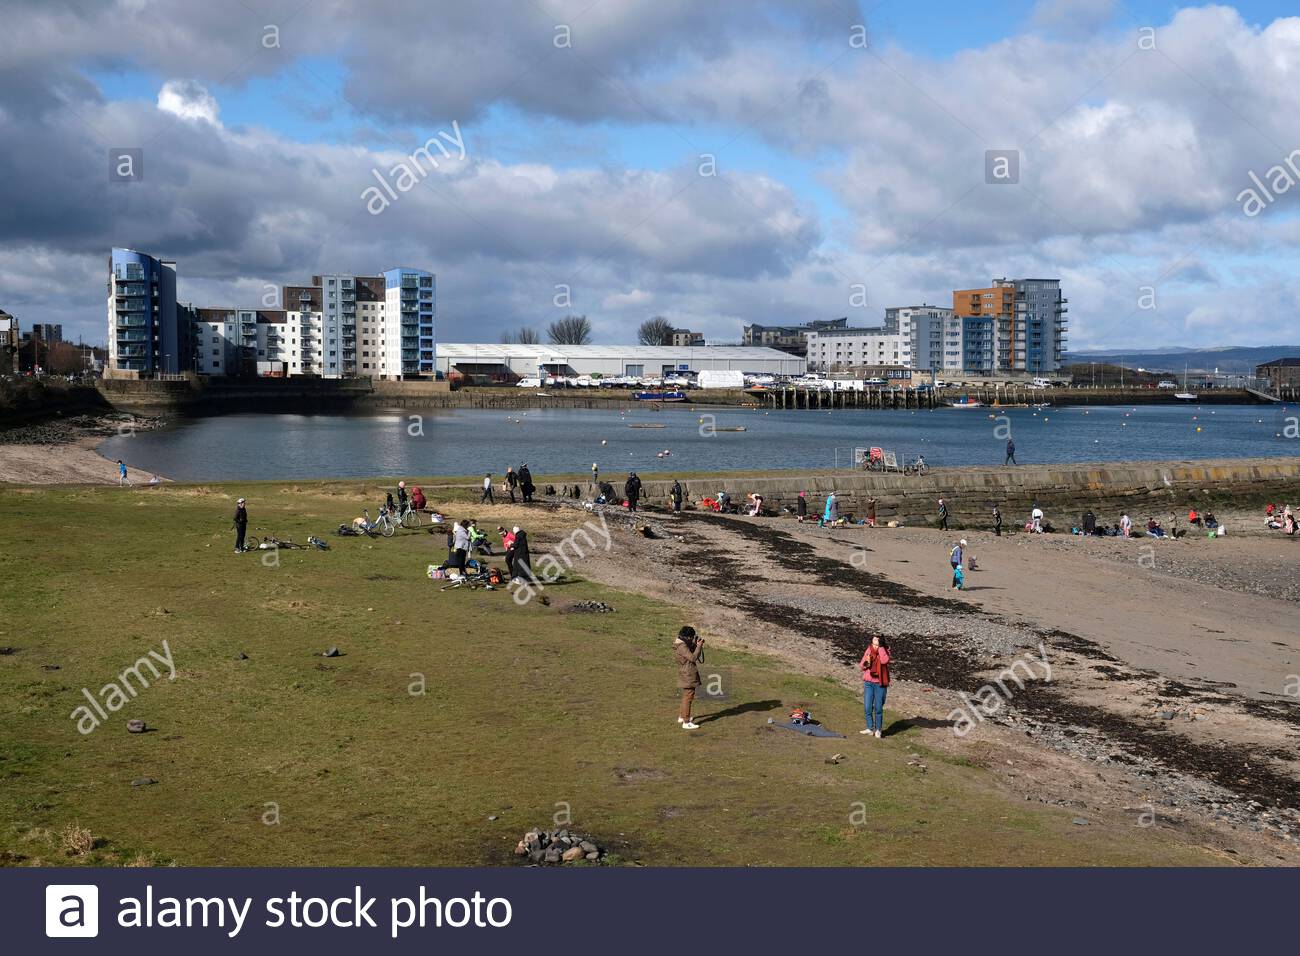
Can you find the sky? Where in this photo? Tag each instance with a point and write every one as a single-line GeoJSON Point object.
{"type": "Point", "coordinates": [771, 161]}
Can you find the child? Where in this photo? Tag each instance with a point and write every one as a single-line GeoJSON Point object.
{"type": "Point", "coordinates": [958, 578]}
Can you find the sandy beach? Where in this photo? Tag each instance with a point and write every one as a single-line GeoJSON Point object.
{"type": "Point", "coordinates": [1173, 695]}
{"type": "Point", "coordinates": [63, 452]}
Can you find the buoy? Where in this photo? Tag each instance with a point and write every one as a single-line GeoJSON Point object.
{"type": "Point", "coordinates": [604, 442]}
{"type": "Point", "coordinates": [1198, 428]}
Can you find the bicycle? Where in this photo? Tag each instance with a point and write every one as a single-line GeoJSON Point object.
{"type": "Point", "coordinates": [384, 524]}
{"type": "Point", "coordinates": [918, 467]}
{"type": "Point", "coordinates": [409, 517]}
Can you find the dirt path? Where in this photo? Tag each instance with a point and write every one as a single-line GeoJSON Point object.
{"type": "Point", "coordinates": [1166, 703]}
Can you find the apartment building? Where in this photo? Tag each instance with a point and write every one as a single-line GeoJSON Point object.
{"type": "Point", "coordinates": [837, 349]}
{"type": "Point", "coordinates": [685, 338]}
{"type": "Point", "coordinates": [1024, 321]}
{"type": "Point", "coordinates": [145, 334]}
{"type": "Point", "coordinates": [788, 338]}
{"type": "Point", "coordinates": [335, 326]}
{"type": "Point", "coordinates": [8, 342]}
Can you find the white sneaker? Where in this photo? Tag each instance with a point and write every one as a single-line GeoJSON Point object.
{"type": "Point", "coordinates": [867, 731]}
{"type": "Point", "coordinates": [690, 725]}
{"type": "Point", "coordinates": [877, 735]}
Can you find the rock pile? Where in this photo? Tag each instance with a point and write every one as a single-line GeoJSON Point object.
{"type": "Point", "coordinates": [555, 847]}
{"type": "Point", "coordinates": [592, 607]}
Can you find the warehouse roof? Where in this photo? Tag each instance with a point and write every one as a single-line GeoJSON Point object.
{"type": "Point", "coordinates": [489, 351]}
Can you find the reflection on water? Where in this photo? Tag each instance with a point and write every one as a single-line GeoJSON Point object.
{"type": "Point", "coordinates": [474, 441]}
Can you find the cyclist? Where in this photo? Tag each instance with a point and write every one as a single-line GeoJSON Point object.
{"type": "Point", "coordinates": [402, 505]}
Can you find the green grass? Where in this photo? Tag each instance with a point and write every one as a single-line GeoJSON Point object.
{"type": "Point", "coordinates": [527, 710]}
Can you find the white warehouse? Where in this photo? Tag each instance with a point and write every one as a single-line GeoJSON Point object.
{"type": "Point", "coordinates": [509, 362]}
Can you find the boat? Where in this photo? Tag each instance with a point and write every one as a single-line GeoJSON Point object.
{"type": "Point", "coordinates": [645, 425]}
{"type": "Point", "coordinates": [1185, 395]}
{"type": "Point", "coordinates": [730, 428]}
{"type": "Point", "coordinates": [966, 402]}
{"type": "Point", "coordinates": [676, 396]}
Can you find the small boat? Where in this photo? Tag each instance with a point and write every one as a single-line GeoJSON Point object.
{"type": "Point", "coordinates": [966, 402]}
{"type": "Point", "coordinates": [1185, 396]}
{"type": "Point", "coordinates": [645, 425]}
{"type": "Point", "coordinates": [730, 428]}
{"type": "Point", "coordinates": [677, 396]}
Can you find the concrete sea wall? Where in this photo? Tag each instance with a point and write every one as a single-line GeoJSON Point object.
{"type": "Point", "coordinates": [1062, 491]}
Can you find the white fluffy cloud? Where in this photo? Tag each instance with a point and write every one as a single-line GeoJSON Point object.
{"type": "Point", "coordinates": [188, 100]}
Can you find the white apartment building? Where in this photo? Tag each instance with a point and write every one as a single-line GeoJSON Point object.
{"type": "Point", "coordinates": [830, 350]}
{"type": "Point", "coordinates": [338, 326]}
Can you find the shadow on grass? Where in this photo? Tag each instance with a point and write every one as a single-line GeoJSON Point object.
{"type": "Point", "coordinates": [753, 707]}
{"type": "Point", "coordinates": [908, 723]}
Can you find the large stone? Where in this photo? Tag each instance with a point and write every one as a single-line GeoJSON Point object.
{"type": "Point", "coordinates": [552, 855]}
{"type": "Point", "coordinates": [572, 853]}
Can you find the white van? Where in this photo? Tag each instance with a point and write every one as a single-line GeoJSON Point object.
{"type": "Point", "coordinates": [1167, 384]}
{"type": "Point", "coordinates": [1042, 383]}
{"type": "Point", "coordinates": [529, 383]}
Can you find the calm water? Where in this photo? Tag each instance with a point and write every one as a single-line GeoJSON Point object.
{"type": "Point", "coordinates": [470, 441]}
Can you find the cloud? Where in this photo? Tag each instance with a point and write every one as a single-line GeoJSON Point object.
{"type": "Point", "coordinates": [188, 100]}
{"type": "Point", "coordinates": [1131, 160]}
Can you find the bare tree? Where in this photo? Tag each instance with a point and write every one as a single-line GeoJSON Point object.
{"type": "Point", "coordinates": [570, 330]}
{"type": "Point", "coordinates": [655, 331]}
{"type": "Point", "coordinates": [524, 335]}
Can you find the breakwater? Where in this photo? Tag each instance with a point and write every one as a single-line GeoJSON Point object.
{"type": "Point", "coordinates": [1062, 491]}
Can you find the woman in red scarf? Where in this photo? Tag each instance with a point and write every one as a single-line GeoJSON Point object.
{"type": "Point", "coordinates": [875, 682]}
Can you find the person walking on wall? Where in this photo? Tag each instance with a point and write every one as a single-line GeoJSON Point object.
{"type": "Point", "coordinates": [1011, 453]}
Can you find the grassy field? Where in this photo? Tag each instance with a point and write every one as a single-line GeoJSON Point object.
{"type": "Point", "coordinates": [285, 757]}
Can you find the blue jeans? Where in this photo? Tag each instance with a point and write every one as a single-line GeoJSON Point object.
{"type": "Point", "coordinates": [873, 703]}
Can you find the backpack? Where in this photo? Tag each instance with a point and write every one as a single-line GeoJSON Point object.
{"type": "Point", "coordinates": [800, 716]}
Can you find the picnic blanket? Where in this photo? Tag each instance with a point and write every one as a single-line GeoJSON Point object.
{"type": "Point", "coordinates": [812, 730]}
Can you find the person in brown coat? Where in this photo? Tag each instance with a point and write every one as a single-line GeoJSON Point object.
{"type": "Point", "coordinates": [688, 651]}
{"type": "Point", "coordinates": [871, 511]}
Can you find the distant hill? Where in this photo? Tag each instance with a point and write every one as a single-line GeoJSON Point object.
{"type": "Point", "coordinates": [1231, 360]}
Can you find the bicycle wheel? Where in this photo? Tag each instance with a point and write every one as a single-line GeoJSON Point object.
{"type": "Point", "coordinates": [909, 470]}
{"type": "Point", "coordinates": [411, 520]}
{"type": "Point", "coordinates": [922, 468]}
{"type": "Point", "coordinates": [387, 528]}
{"type": "Point", "coordinates": [252, 543]}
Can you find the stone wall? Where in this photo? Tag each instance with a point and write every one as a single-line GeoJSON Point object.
{"type": "Point", "coordinates": [1062, 491]}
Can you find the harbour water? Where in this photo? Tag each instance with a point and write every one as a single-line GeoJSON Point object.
{"type": "Point", "coordinates": [474, 441]}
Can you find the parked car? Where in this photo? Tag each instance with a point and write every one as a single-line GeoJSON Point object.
{"type": "Point", "coordinates": [1165, 383]}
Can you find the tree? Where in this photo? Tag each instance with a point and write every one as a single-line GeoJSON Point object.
{"type": "Point", "coordinates": [655, 331]}
{"type": "Point", "coordinates": [524, 335]}
{"type": "Point", "coordinates": [570, 330]}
